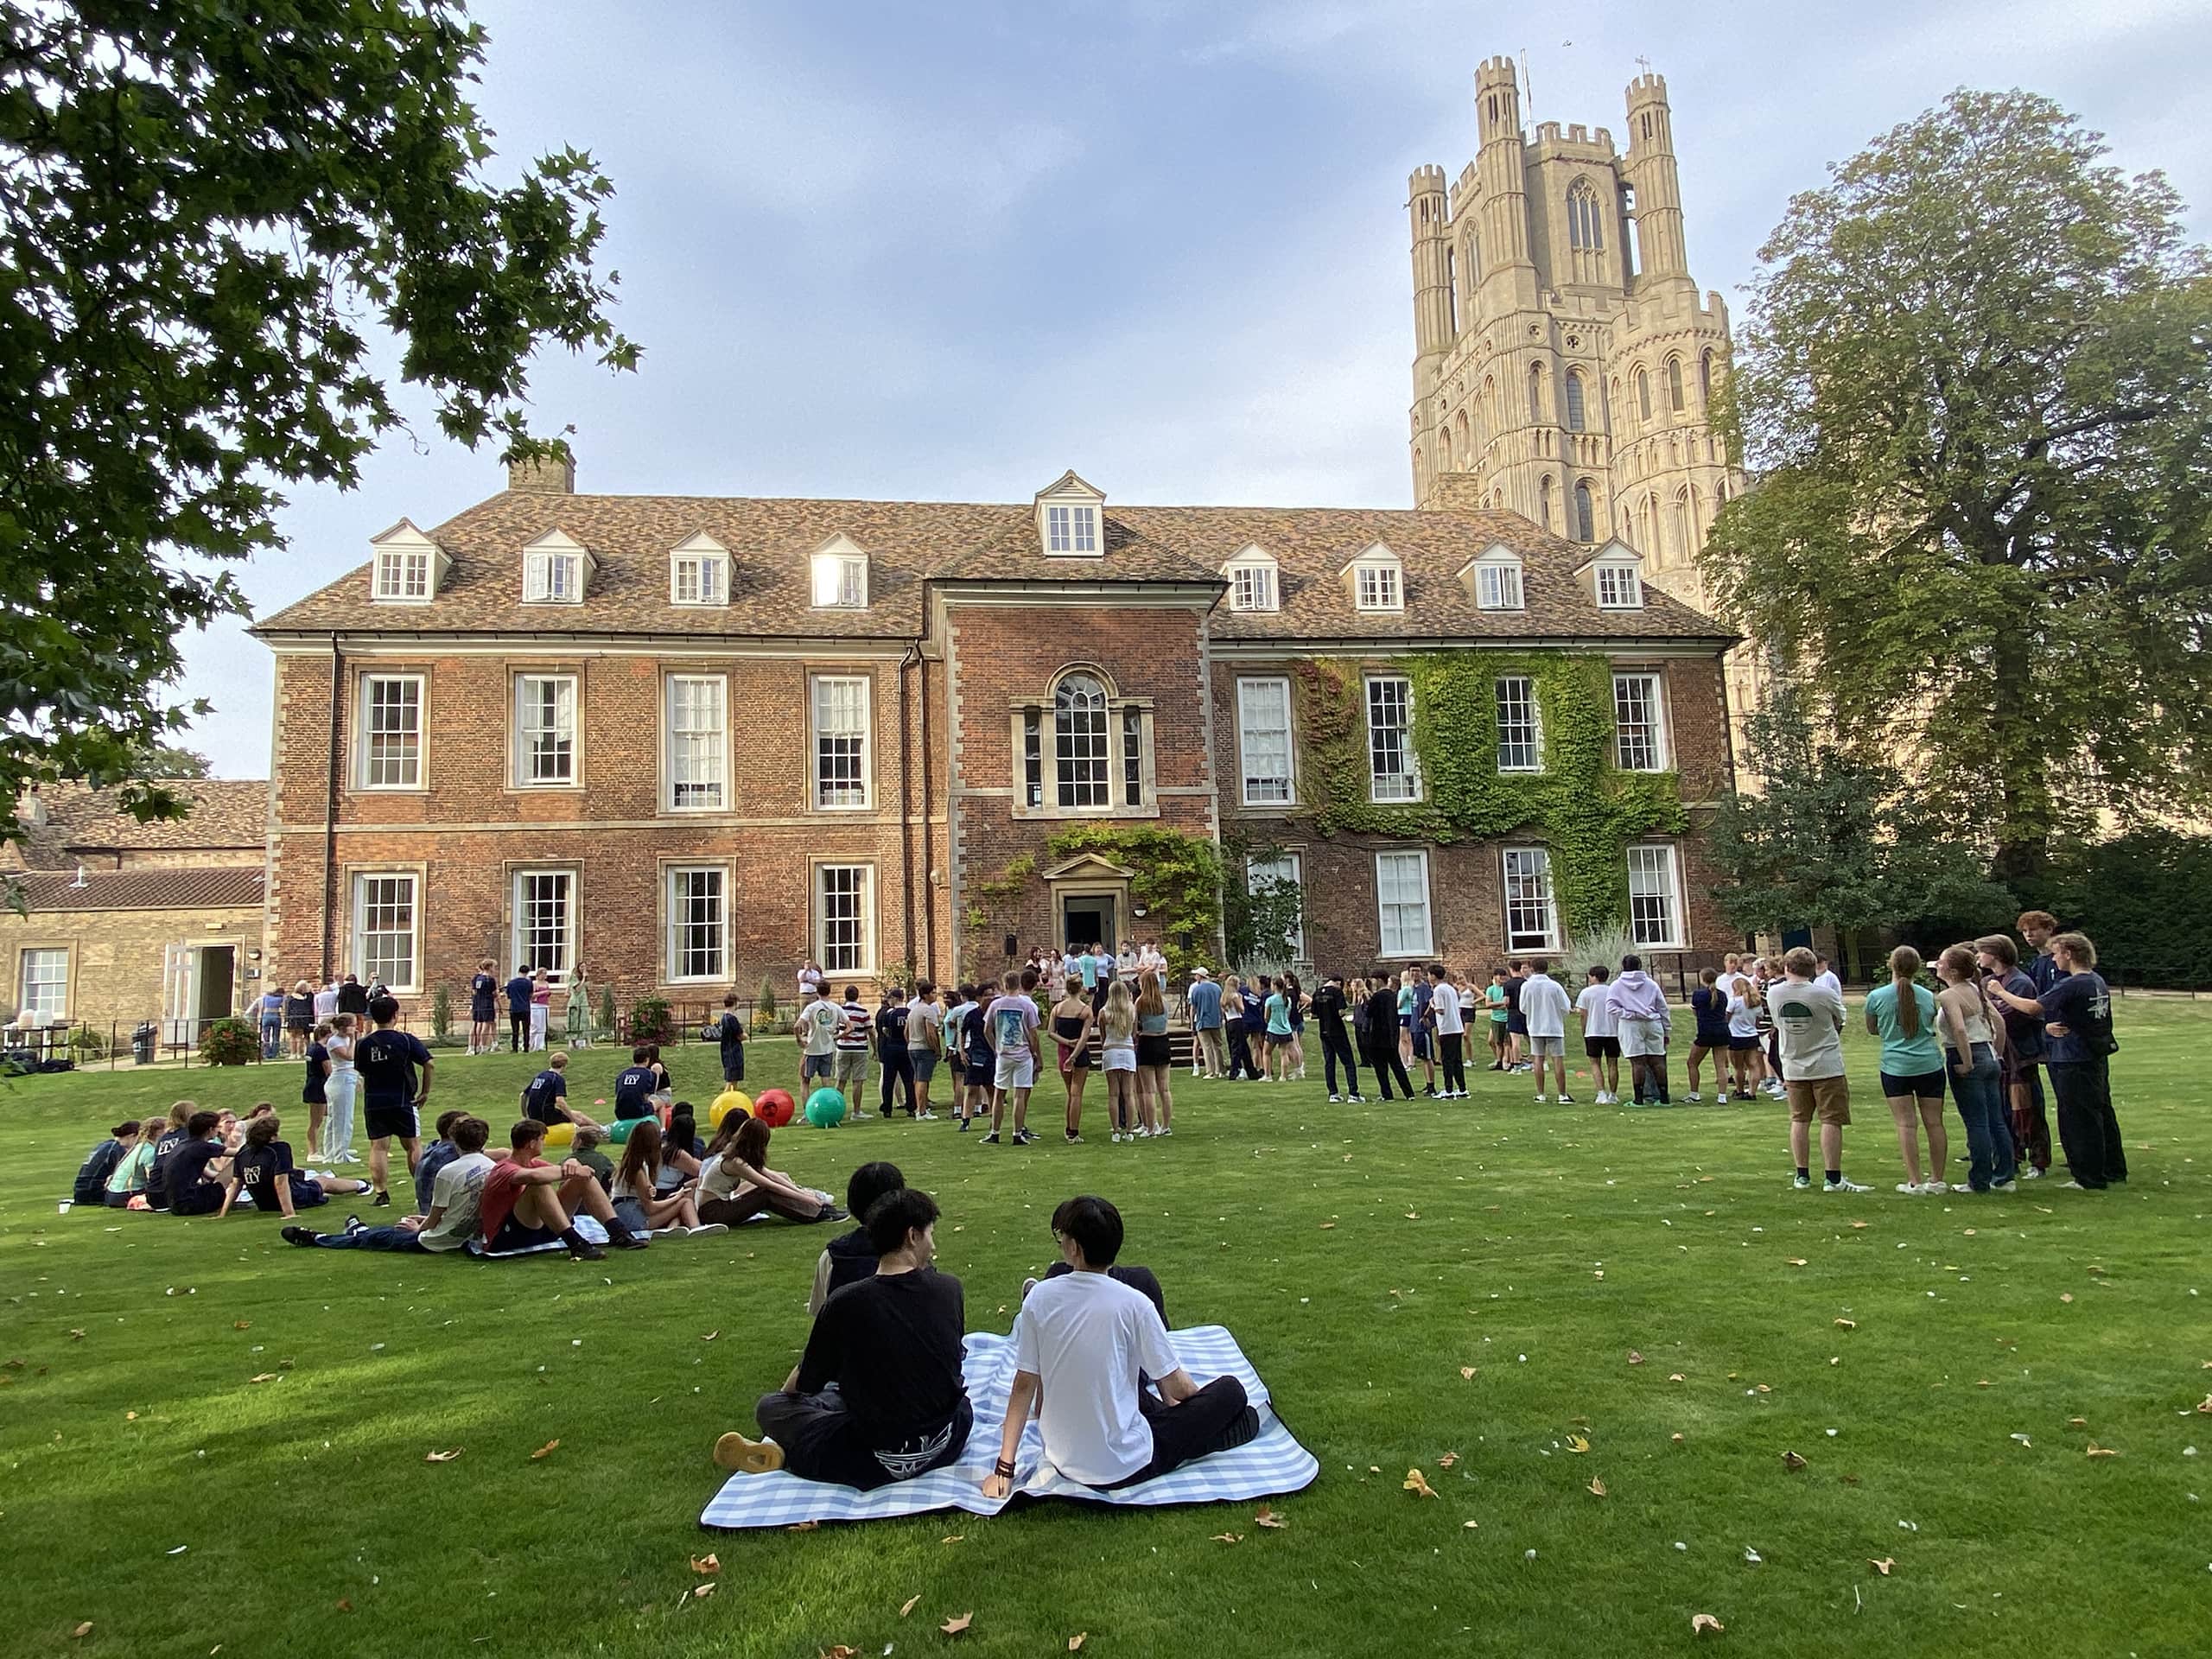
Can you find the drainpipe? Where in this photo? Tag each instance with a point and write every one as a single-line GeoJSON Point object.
{"type": "Point", "coordinates": [906, 799]}
{"type": "Point", "coordinates": [330, 810]}
{"type": "Point", "coordinates": [929, 894]}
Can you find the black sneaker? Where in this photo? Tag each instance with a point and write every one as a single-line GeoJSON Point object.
{"type": "Point", "coordinates": [628, 1241]}
{"type": "Point", "coordinates": [382, 1201]}
{"type": "Point", "coordinates": [990, 1139]}
{"type": "Point", "coordinates": [589, 1253]}
{"type": "Point", "coordinates": [1567, 1100]}
{"type": "Point", "coordinates": [302, 1237]}
{"type": "Point", "coordinates": [1074, 1140]}
{"type": "Point", "coordinates": [963, 1126]}
{"type": "Point", "coordinates": [355, 1224]}
{"type": "Point", "coordinates": [1024, 1138]}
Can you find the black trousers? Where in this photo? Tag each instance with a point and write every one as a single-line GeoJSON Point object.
{"type": "Point", "coordinates": [897, 1065]}
{"type": "Point", "coordinates": [1240, 1051]}
{"type": "Point", "coordinates": [1336, 1048]}
{"type": "Point", "coordinates": [2089, 1133]}
{"type": "Point", "coordinates": [519, 1030]}
{"type": "Point", "coordinates": [1214, 1419]}
{"type": "Point", "coordinates": [821, 1441]}
{"type": "Point", "coordinates": [1454, 1044]}
{"type": "Point", "coordinates": [1383, 1058]}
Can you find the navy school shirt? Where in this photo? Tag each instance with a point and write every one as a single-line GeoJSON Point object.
{"type": "Point", "coordinates": [386, 1059]}
{"type": "Point", "coordinates": [633, 1088]}
{"type": "Point", "coordinates": [541, 1095]}
{"type": "Point", "coordinates": [157, 1175]}
{"type": "Point", "coordinates": [483, 996]}
{"type": "Point", "coordinates": [259, 1169]}
{"type": "Point", "coordinates": [975, 1035]}
{"type": "Point", "coordinates": [518, 990]}
{"type": "Point", "coordinates": [190, 1192]}
{"type": "Point", "coordinates": [311, 1092]}
{"type": "Point", "coordinates": [2082, 1003]}
{"type": "Point", "coordinates": [891, 1030]}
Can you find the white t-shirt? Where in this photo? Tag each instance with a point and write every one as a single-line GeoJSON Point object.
{"type": "Point", "coordinates": [713, 1184]}
{"type": "Point", "coordinates": [1743, 1015]}
{"type": "Point", "coordinates": [819, 1022]}
{"type": "Point", "coordinates": [1809, 1021]}
{"type": "Point", "coordinates": [1087, 1336]}
{"type": "Point", "coordinates": [1597, 1005]}
{"type": "Point", "coordinates": [1543, 1005]}
{"type": "Point", "coordinates": [458, 1191]}
{"type": "Point", "coordinates": [1826, 981]}
{"type": "Point", "coordinates": [1444, 1009]}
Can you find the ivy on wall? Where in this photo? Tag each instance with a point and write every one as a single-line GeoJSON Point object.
{"type": "Point", "coordinates": [1176, 877]}
{"type": "Point", "coordinates": [1581, 806]}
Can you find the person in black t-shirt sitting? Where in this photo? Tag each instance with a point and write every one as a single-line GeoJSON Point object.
{"type": "Point", "coordinates": [263, 1169]}
{"type": "Point", "coordinates": [545, 1096]}
{"type": "Point", "coordinates": [850, 1257]}
{"type": "Point", "coordinates": [194, 1174]}
{"type": "Point", "coordinates": [890, 1344]}
{"type": "Point", "coordinates": [635, 1084]}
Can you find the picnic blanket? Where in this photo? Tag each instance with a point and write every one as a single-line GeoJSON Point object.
{"type": "Point", "coordinates": [1271, 1464]}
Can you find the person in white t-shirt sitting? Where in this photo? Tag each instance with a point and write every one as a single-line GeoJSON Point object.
{"type": "Point", "coordinates": [1084, 1344]}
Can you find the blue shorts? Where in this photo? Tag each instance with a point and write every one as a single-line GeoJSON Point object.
{"type": "Point", "coordinates": [924, 1065]}
{"type": "Point", "coordinates": [516, 1236]}
{"type": "Point", "coordinates": [1421, 1043]}
{"type": "Point", "coordinates": [815, 1065]}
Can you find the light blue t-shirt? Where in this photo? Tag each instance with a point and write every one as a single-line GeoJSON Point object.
{"type": "Point", "coordinates": [1278, 1015]}
{"type": "Point", "coordinates": [1206, 1005]}
{"type": "Point", "coordinates": [1087, 965]}
{"type": "Point", "coordinates": [1905, 1056]}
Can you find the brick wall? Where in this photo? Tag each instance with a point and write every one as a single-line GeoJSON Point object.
{"type": "Point", "coordinates": [116, 955]}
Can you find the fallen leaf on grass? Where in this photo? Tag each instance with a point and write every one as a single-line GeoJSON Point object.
{"type": "Point", "coordinates": [1635, 1359]}
{"type": "Point", "coordinates": [706, 1564]}
{"type": "Point", "coordinates": [1226, 1538]}
{"type": "Point", "coordinates": [241, 1325]}
{"type": "Point", "coordinates": [701, 1591]}
{"type": "Point", "coordinates": [1413, 1215]}
{"type": "Point", "coordinates": [1676, 1376]}
{"type": "Point", "coordinates": [2077, 1422]}
{"type": "Point", "coordinates": [2205, 1405]}
{"type": "Point", "coordinates": [1798, 1261]}
{"type": "Point", "coordinates": [954, 1626]}
{"type": "Point", "coordinates": [1701, 1622]}
{"type": "Point", "coordinates": [2065, 1295]}
{"type": "Point", "coordinates": [709, 1335]}
{"type": "Point", "coordinates": [1267, 1518]}
{"type": "Point", "coordinates": [1856, 1225]}
{"type": "Point", "coordinates": [2096, 1450]}
{"type": "Point", "coordinates": [1467, 1373]}
{"type": "Point", "coordinates": [803, 1526]}
{"type": "Point", "coordinates": [1847, 1324]}
{"type": "Point", "coordinates": [1075, 1641]}
{"type": "Point", "coordinates": [1469, 1525]}
{"type": "Point", "coordinates": [442, 1457]}
{"type": "Point", "coordinates": [1792, 1462]}
{"type": "Point", "coordinates": [1417, 1483]}
{"type": "Point", "coordinates": [1596, 1489]}
{"type": "Point", "coordinates": [1448, 1460]}
{"type": "Point", "coordinates": [76, 1336]}
{"type": "Point", "coordinates": [1883, 1566]}
{"type": "Point", "coordinates": [841, 1651]}
{"type": "Point", "coordinates": [908, 1606]}
{"type": "Point", "coordinates": [1327, 1226]}
{"type": "Point", "coordinates": [1576, 1443]}
{"type": "Point", "coordinates": [954, 1539]}
{"type": "Point", "coordinates": [345, 1603]}
{"type": "Point", "coordinates": [544, 1450]}
{"type": "Point", "coordinates": [1676, 1438]}
{"type": "Point", "coordinates": [84, 1629]}
{"type": "Point", "coordinates": [266, 1376]}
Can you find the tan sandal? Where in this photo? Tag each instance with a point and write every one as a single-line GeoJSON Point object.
{"type": "Point", "coordinates": [737, 1455]}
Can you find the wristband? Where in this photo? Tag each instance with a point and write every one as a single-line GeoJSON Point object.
{"type": "Point", "coordinates": [1005, 1468]}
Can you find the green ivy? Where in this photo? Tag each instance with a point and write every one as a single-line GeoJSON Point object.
{"type": "Point", "coordinates": [1176, 877]}
{"type": "Point", "coordinates": [1581, 806]}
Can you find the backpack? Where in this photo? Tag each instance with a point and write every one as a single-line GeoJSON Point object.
{"type": "Point", "coordinates": [90, 1185]}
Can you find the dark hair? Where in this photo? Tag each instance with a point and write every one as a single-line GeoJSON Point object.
{"type": "Point", "coordinates": [1514, 965]}
{"type": "Point", "coordinates": [750, 1144]}
{"type": "Point", "coordinates": [683, 1128]}
{"type": "Point", "coordinates": [640, 1052]}
{"type": "Point", "coordinates": [262, 1130]}
{"type": "Point", "coordinates": [868, 1182]}
{"type": "Point", "coordinates": [122, 1129]}
{"type": "Point", "coordinates": [1028, 979]}
{"type": "Point", "coordinates": [527, 1133]}
{"type": "Point", "coordinates": [198, 1123]}
{"type": "Point", "coordinates": [1095, 1227]}
{"type": "Point", "coordinates": [470, 1133]}
{"type": "Point", "coordinates": [384, 1010]}
{"type": "Point", "coordinates": [641, 1156]}
{"type": "Point", "coordinates": [923, 988]}
{"type": "Point", "coordinates": [1599, 972]}
{"type": "Point", "coordinates": [729, 999]}
{"type": "Point", "coordinates": [852, 992]}
{"type": "Point", "coordinates": [447, 1120]}
{"type": "Point", "coordinates": [1632, 963]}
{"type": "Point", "coordinates": [897, 1213]}
{"type": "Point", "coordinates": [1540, 964]}
{"type": "Point", "coordinates": [2001, 947]}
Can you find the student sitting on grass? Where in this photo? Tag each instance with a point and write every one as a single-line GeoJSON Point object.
{"type": "Point", "coordinates": [736, 1184]}
{"type": "Point", "coordinates": [679, 1150]}
{"type": "Point", "coordinates": [100, 1163]}
{"type": "Point", "coordinates": [134, 1169]}
{"type": "Point", "coordinates": [450, 1221]}
{"type": "Point", "coordinates": [195, 1174]}
{"type": "Point", "coordinates": [635, 1204]}
{"type": "Point", "coordinates": [636, 1084]}
{"type": "Point", "coordinates": [1083, 1345]}
{"type": "Point", "coordinates": [891, 1345]}
{"type": "Point", "coordinates": [850, 1257]}
{"type": "Point", "coordinates": [435, 1156]}
{"type": "Point", "coordinates": [262, 1170]}
{"type": "Point", "coordinates": [165, 1139]}
{"type": "Point", "coordinates": [586, 1151]}
{"type": "Point", "coordinates": [545, 1096]}
{"type": "Point", "coordinates": [528, 1202]}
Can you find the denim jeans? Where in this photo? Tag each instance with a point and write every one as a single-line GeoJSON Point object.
{"type": "Point", "coordinates": [373, 1238]}
{"type": "Point", "coordinates": [1980, 1098]}
{"type": "Point", "coordinates": [272, 1039]}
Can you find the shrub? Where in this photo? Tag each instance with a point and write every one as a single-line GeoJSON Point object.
{"type": "Point", "coordinates": [230, 1041]}
{"type": "Point", "coordinates": [88, 1043]}
{"type": "Point", "coordinates": [441, 1014]}
{"type": "Point", "coordinates": [651, 1021]}
{"type": "Point", "coordinates": [764, 1010]}
{"type": "Point", "coordinates": [606, 1010]}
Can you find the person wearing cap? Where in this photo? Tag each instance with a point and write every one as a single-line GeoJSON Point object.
{"type": "Point", "coordinates": [1209, 1056]}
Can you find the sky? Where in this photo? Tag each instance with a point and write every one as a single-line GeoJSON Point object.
{"type": "Point", "coordinates": [945, 253]}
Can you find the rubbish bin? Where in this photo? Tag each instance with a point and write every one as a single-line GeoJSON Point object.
{"type": "Point", "coordinates": [142, 1044]}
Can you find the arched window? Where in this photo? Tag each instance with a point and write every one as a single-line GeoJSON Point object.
{"type": "Point", "coordinates": [1079, 751]}
{"type": "Point", "coordinates": [1705, 377]}
{"type": "Point", "coordinates": [1584, 225]}
{"type": "Point", "coordinates": [1536, 393]}
{"type": "Point", "coordinates": [1464, 446]}
{"type": "Point", "coordinates": [1643, 395]}
{"type": "Point", "coordinates": [1674, 383]}
{"type": "Point", "coordinates": [1586, 516]}
{"type": "Point", "coordinates": [1544, 501]}
{"type": "Point", "coordinates": [1686, 535]}
{"type": "Point", "coordinates": [1577, 416]}
{"type": "Point", "coordinates": [1452, 290]}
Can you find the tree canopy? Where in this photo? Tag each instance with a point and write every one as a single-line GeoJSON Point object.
{"type": "Point", "coordinates": [215, 220]}
{"type": "Point", "coordinates": [1973, 385]}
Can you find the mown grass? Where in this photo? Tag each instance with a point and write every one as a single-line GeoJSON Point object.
{"type": "Point", "coordinates": [1364, 1256]}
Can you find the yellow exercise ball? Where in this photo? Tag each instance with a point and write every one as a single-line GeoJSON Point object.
{"type": "Point", "coordinates": [730, 1100]}
{"type": "Point", "coordinates": [560, 1135]}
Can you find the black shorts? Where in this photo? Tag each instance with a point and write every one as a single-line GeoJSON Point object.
{"type": "Point", "coordinates": [1602, 1048]}
{"type": "Point", "coordinates": [386, 1120]}
{"type": "Point", "coordinates": [1709, 1041]}
{"type": "Point", "coordinates": [299, 1024]}
{"type": "Point", "coordinates": [1516, 1024]}
{"type": "Point", "coordinates": [1920, 1085]}
{"type": "Point", "coordinates": [518, 1235]}
{"type": "Point", "coordinates": [1742, 1045]}
{"type": "Point", "coordinates": [1153, 1049]}
{"type": "Point", "coordinates": [981, 1074]}
{"type": "Point", "coordinates": [483, 1013]}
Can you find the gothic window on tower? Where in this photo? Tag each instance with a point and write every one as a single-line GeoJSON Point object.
{"type": "Point", "coordinates": [1584, 225]}
{"type": "Point", "coordinates": [1705, 377]}
{"type": "Point", "coordinates": [1544, 500]}
{"type": "Point", "coordinates": [1536, 393]}
{"type": "Point", "coordinates": [1675, 399]}
{"type": "Point", "coordinates": [1578, 417]}
{"type": "Point", "coordinates": [1585, 517]}
{"type": "Point", "coordinates": [1451, 290]}
{"type": "Point", "coordinates": [1642, 396]}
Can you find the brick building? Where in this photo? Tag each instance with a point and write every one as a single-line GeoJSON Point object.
{"type": "Point", "coordinates": [123, 921]}
{"type": "Point", "coordinates": [695, 741]}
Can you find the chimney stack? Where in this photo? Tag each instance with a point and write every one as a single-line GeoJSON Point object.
{"type": "Point", "coordinates": [543, 475]}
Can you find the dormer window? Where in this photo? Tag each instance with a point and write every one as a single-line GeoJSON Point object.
{"type": "Point", "coordinates": [1619, 588]}
{"type": "Point", "coordinates": [553, 570]}
{"type": "Point", "coordinates": [1071, 519]}
{"type": "Point", "coordinates": [1252, 584]}
{"type": "Point", "coordinates": [840, 576]}
{"type": "Point", "coordinates": [1498, 581]}
{"type": "Point", "coordinates": [407, 567]}
{"type": "Point", "coordinates": [698, 573]}
{"type": "Point", "coordinates": [1378, 581]}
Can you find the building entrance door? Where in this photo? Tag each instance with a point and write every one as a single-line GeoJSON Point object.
{"type": "Point", "coordinates": [1087, 920]}
{"type": "Point", "coordinates": [214, 977]}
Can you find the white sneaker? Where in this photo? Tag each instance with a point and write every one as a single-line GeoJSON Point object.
{"type": "Point", "coordinates": [1908, 1187]}
{"type": "Point", "coordinates": [1700, 1098]}
{"type": "Point", "coordinates": [1933, 1187]}
{"type": "Point", "coordinates": [1359, 1100]}
{"type": "Point", "coordinates": [925, 1118]}
{"type": "Point", "coordinates": [1567, 1100]}
{"type": "Point", "coordinates": [1844, 1185]}
{"type": "Point", "coordinates": [1801, 1182]}
{"type": "Point", "coordinates": [1603, 1098]}
{"type": "Point", "coordinates": [2030, 1172]}
{"type": "Point", "coordinates": [1117, 1137]}
{"type": "Point", "coordinates": [1539, 1100]}
{"type": "Point", "coordinates": [710, 1230]}
{"type": "Point", "coordinates": [1335, 1100]}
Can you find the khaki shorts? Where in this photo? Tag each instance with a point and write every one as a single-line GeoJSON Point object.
{"type": "Point", "coordinates": [1826, 1098]}
{"type": "Point", "coordinates": [852, 1066]}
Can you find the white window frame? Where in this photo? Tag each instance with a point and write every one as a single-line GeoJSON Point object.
{"type": "Point", "coordinates": [1247, 728]}
{"type": "Point", "coordinates": [709, 574]}
{"type": "Point", "coordinates": [675, 920]}
{"type": "Point", "coordinates": [672, 737]}
{"type": "Point", "coordinates": [1535, 722]}
{"type": "Point", "coordinates": [364, 705]}
{"type": "Point", "coordinates": [553, 575]}
{"type": "Point", "coordinates": [520, 932]}
{"type": "Point", "coordinates": [1655, 707]}
{"type": "Point", "coordinates": [1378, 585]}
{"type": "Point", "coordinates": [358, 933]}
{"type": "Point", "coordinates": [840, 580]}
{"type": "Point", "coordinates": [1252, 587]}
{"type": "Point", "coordinates": [1283, 867]}
{"type": "Point", "coordinates": [1619, 587]}
{"type": "Point", "coordinates": [819, 784]}
{"type": "Point", "coordinates": [404, 576]}
{"type": "Point", "coordinates": [1071, 529]}
{"type": "Point", "coordinates": [1661, 875]}
{"type": "Point", "coordinates": [1525, 879]}
{"type": "Point", "coordinates": [525, 736]}
{"type": "Point", "coordinates": [861, 959]}
{"type": "Point", "coordinates": [41, 992]}
{"type": "Point", "coordinates": [1498, 585]}
{"type": "Point", "coordinates": [1069, 758]}
{"type": "Point", "coordinates": [1420, 946]}
{"type": "Point", "coordinates": [1411, 773]}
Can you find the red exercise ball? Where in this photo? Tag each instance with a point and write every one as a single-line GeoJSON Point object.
{"type": "Point", "coordinates": [774, 1108]}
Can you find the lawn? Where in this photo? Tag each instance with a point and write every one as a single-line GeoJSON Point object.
{"type": "Point", "coordinates": [1943, 1366]}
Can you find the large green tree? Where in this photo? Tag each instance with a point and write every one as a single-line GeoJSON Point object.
{"type": "Point", "coordinates": [219, 220]}
{"type": "Point", "coordinates": [1974, 386]}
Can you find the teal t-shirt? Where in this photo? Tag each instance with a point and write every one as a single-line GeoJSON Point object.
{"type": "Point", "coordinates": [1278, 1015]}
{"type": "Point", "coordinates": [1902, 1056]}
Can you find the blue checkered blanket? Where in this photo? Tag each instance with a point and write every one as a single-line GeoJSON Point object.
{"type": "Point", "coordinates": [1273, 1463]}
